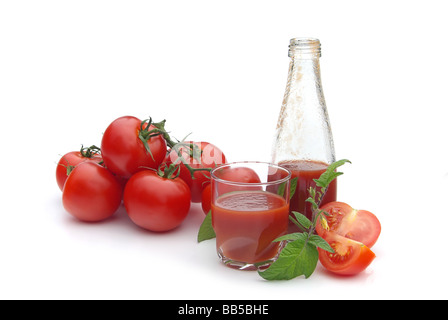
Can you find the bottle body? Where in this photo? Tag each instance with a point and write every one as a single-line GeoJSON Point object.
{"type": "Point", "coordinates": [303, 141]}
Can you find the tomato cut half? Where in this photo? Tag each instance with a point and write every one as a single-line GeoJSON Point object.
{"type": "Point", "coordinates": [359, 225]}
{"type": "Point", "coordinates": [349, 258]}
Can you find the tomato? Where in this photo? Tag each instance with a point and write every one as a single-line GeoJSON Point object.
{"type": "Point", "coordinates": [198, 155]}
{"type": "Point", "coordinates": [237, 174]}
{"type": "Point", "coordinates": [351, 233]}
{"type": "Point", "coordinates": [359, 225]}
{"type": "Point", "coordinates": [156, 203]}
{"type": "Point", "coordinates": [124, 150]}
{"type": "Point", "coordinates": [206, 200]}
{"type": "Point", "coordinates": [72, 159]}
{"type": "Point", "coordinates": [91, 192]}
{"type": "Point", "coordinates": [350, 257]}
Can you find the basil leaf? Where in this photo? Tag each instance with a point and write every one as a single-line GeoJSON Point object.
{"type": "Point", "coordinates": [321, 243]}
{"type": "Point", "coordinates": [303, 220]}
{"type": "Point", "coordinates": [289, 237]}
{"type": "Point", "coordinates": [206, 231]}
{"type": "Point", "coordinates": [298, 257]}
{"type": "Point", "coordinates": [330, 174]}
{"type": "Point", "coordinates": [293, 187]}
{"type": "Point", "coordinates": [281, 189]}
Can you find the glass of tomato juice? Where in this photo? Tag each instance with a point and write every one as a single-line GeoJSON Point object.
{"type": "Point", "coordinates": [250, 209]}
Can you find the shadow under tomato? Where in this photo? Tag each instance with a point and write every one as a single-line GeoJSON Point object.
{"type": "Point", "coordinates": [360, 277]}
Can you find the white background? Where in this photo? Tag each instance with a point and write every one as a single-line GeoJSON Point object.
{"type": "Point", "coordinates": [218, 69]}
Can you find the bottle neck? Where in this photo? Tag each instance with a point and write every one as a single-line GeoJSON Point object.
{"type": "Point", "coordinates": [304, 69]}
{"type": "Point", "coordinates": [305, 74]}
{"type": "Point", "coordinates": [304, 86]}
{"type": "Point", "coordinates": [304, 48]}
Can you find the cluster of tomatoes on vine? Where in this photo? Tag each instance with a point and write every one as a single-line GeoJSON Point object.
{"type": "Point", "coordinates": [141, 166]}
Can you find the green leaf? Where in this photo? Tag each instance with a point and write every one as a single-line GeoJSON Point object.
{"type": "Point", "coordinates": [289, 236]}
{"type": "Point", "coordinates": [330, 174]}
{"type": "Point", "coordinates": [281, 189]}
{"type": "Point", "coordinates": [206, 231]}
{"type": "Point", "coordinates": [303, 220]}
{"type": "Point", "coordinates": [321, 243]}
{"type": "Point", "coordinates": [298, 257]}
{"type": "Point", "coordinates": [312, 201]}
{"type": "Point", "coordinates": [293, 187]}
{"type": "Point", "coordinates": [298, 225]}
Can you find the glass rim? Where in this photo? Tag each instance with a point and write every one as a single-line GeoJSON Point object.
{"type": "Point", "coordinates": [268, 183]}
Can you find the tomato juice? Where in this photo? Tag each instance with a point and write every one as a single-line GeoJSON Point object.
{"type": "Point", "coordinates": [246, 223]}
{"type": "Point", "coordinates": [306, 171]}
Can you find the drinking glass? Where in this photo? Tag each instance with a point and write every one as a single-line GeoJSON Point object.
{"type": "Point", "coordinates": [250, 209]}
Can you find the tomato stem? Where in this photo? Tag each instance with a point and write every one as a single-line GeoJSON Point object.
{"type": "Point", "coordinates": [69, 168]}
{"type": "Point", "coordinates": [160, 130]}
{"type": "Point", "coordinates": [169, 172]}
{"type": "Point", "coordinates": [193, 150]}
{"type": "Point", "coordinates": [316, 211]}
{"type": "Point", "coordinates": [90, 151]}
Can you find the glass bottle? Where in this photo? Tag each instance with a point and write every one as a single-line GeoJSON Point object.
{"type": "Point", "coordinates": [303, 141]}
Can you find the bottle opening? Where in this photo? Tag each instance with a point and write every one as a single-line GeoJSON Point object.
{"type": "Point", "coordinates": [305, 47]}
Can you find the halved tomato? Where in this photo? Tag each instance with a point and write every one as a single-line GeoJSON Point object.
{"type": "Point", "coordinates": [350, 257]}
{"type": "Point", "coordinates": [359, 225]}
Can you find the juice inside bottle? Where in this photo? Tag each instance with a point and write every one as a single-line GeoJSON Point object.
{"type": "Point", "coordinates": [306, 171]}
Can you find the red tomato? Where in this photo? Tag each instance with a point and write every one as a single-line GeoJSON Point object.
{"type": "Point", "coordinates": [156, 203]}
{"type": "Point", "coordinates": [71, 160]}
{"type": "Point", "coordinates": [350, 257]}
{"type": "Point", "coordinates": [237, 174]}
{"type": "Point", "coordinates": [199, 155]}
{"type": "Point", "coordinates": [245, 175]}
{"type": "Point", "coordinates": [123, 150]}
{"type": "Point", "coordinates": [206, 200]}
{"type": "Point", "coordinates": [359, 225]}
{"type": "Point", "coordinates": [91, 192]}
